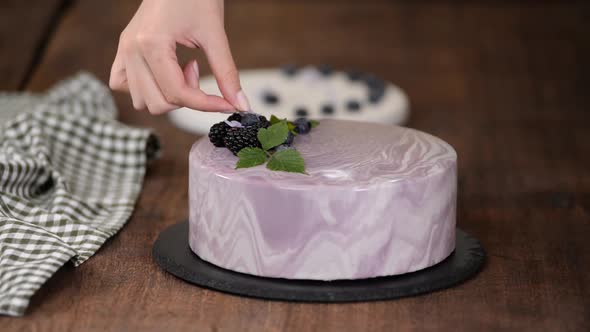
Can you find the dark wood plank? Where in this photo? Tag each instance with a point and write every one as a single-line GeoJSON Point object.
{"type": "Point", "coordinates": [504, 82]}
{"type": "Point", "coordinates": [23, 25]}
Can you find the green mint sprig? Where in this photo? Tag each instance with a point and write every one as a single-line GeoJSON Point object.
{"type": "Point", "coordinates": [288, 160]}
{"type": "Point", "coordinates": [290, 125]}
{"type": "Point", "coordinates": [250, 157]}
{"type": "Point", "coordinates": [274, 135]}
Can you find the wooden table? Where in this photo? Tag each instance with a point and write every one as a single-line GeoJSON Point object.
{"type": "Point", "coordinates": [507, 83]}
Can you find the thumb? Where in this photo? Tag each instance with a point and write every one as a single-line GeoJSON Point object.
{"type": "Point", "coordinates": [227, 76]}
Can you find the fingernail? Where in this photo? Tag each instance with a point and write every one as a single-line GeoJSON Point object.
{"type": "Point", "coordinates": [243, 103]}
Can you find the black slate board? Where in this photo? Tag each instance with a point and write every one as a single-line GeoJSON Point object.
{"type": "Point", "coordinates": [172, 253]}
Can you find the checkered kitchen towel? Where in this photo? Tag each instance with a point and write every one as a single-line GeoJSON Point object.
{"type": "Point", "coordinates": [69, 178]}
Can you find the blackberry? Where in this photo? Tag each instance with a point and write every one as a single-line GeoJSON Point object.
{"type": "Point", "coordinates": [302, 126]}
{"type": "Point", "coordinates": [238, 138]}
{"type": "Point", "coordinates": [217, 133]}
{"type": "Point", "coordinates": [263, 122]}
{"type": "Point", "coordinates": [235, 117]}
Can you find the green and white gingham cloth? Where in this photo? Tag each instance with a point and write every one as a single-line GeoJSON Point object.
{"type": "Point", "coordinates": [70, 175]}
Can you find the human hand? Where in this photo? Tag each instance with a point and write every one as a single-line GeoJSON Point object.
{"type": "Point", "coordinates": [146, 65]}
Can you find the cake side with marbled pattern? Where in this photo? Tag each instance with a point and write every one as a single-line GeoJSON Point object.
{"type": "Point", "coordinates": [377, 200]}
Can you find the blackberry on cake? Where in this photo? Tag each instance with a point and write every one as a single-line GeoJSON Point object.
{"type": "Point", "coordinates": [237, 138]}
{"type": "Point", "coordinates": [217, 134]}
{"type": "Point", "coordinates": [263, 121]}
{"type": "Point", "coordinates": [235, 117]}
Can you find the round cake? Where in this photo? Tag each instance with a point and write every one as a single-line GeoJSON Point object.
{"type": "Point", "coordinates": [310, 91]}
{"type": "Point", "coordinates": [376, 200]}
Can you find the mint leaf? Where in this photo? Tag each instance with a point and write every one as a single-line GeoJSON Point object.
{"type": "Point", "coordinates": [274, 135]}
{"type": "Point", "coordinates": [291, 127]}
{"type": "Point", "coordinates": [286, 160]}
{"type": "Point", "coordinates": [274, 119]}
{"type": "Point", "coordinates": [314, 123]}
{"type": "Point", "coordinates": [250, 157]}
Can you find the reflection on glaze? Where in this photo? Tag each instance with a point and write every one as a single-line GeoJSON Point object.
{"type": "Point", "coordinates": [378, 200]}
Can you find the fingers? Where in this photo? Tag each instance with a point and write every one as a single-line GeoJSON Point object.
{"type": "Point", "coordinates": [160, 56]}
{"type": "Point", "coordinates": [191, 74]}
{"type": "Point", "coordinates": [147, 67]}
{"type": "Point", "coordinates": [118, 77]}
{"type": "Point", "coordinates": [150, 73]}
{"type": "Point", "coordinates": [145, 87]}
{"type": "Point", "coordinates": [136, 95]}
{"type": "Point", "coordinates": [222, 63]}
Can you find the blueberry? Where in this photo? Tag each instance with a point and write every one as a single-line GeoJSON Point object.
{"type": "Point", "coordinates": [373, 82]}
{"type": "Point", "coordinates": [354, 75]}
{"type": "Point", "coordinates": [327, 109]}
{"type": "Point", "coordinates": [249, 119]}
{"type": "Point", "coordinates": [375, 95]}
{"type": "Point", "coordinates": [290, 70]}
{"type": "Point", "coordinates": [353, 106]}
{"type": "Point", "coordinates": [302, 126]}
{"type": "Point", "coordinates": [289, 139]}
{"type": "Point", "coordinates": [300, 112]}
{"type": "Point", "coordinates": [325, 70]}
{"type": "Point", "coordinates": [270, 98]}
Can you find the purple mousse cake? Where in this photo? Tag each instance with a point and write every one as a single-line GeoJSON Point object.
{"type": "Point", "coordinates": [376, 200]}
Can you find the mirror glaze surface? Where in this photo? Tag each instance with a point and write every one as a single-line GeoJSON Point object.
{"type": "Point", "coordinates": [377, 200]}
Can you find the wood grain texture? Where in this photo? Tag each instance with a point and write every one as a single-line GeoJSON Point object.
{"type": "Point", "coordinates": [23, 25]}
{"type": "Point", "coordinates": [506, 83]}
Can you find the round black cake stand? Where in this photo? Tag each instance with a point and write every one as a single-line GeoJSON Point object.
{"type": "Point", "coordinates": [171, 252]}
